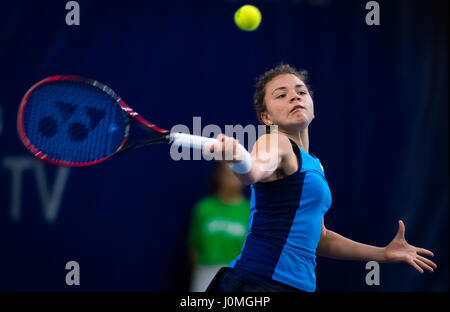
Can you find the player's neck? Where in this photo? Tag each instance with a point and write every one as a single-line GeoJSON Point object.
{"type": "Point", "coordinates": [301, 138]}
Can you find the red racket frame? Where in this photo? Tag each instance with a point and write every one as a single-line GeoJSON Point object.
{"type": "Point", "coordinates": [128, 110]}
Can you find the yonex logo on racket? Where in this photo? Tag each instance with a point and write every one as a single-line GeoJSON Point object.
{"type": "Point", "coordinates": [49, 125]}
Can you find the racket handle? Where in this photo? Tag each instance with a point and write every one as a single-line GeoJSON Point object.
{"type": "Point", "coordinates": [198, 142]}
{"type": "Point", "coordinates": [191, 141]}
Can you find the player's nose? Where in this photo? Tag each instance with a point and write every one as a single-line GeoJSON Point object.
{"type": "Point", "coordinates": [295, 97]}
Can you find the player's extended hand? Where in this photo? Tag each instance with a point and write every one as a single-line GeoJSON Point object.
{"type": "Point", "coordinates": [399, 250]}
{"type": "Point", "coordinates": [226, 150]}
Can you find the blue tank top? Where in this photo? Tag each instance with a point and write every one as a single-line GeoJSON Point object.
{"type": "Point", "coordinates": [285, 225]}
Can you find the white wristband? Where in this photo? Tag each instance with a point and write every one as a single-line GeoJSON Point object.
{"type": "Point", "coordinates": [245, 165]}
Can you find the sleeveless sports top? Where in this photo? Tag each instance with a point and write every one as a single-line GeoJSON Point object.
{"type": "Point", "coordinates": [285, 225]}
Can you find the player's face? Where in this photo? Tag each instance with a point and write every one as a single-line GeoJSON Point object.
{"type": "Point", "coordinates": [288, 103]}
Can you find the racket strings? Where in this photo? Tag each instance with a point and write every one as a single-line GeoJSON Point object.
{"type": "Point", "coordinates": [73, 122]}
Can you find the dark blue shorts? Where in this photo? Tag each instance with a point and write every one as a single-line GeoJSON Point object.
{"type": "Point", "coordinates": [230, 280]}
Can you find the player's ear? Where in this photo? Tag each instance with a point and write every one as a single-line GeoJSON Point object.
{"type": "Point", "coordinates": [265, 118]}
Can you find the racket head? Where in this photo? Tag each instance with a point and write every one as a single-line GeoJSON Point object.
{"type": "Point", "coordinates": [74, 121]}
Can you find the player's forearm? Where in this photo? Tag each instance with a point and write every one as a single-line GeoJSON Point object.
{"type": "Point", "coordinates": [333, 245]}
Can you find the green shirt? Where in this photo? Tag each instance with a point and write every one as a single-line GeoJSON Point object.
{"type": "Point", "coordinates": [218, 230]}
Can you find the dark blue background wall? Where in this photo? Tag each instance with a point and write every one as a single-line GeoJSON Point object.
{"type": "Point", "coordinates": [381, 132]}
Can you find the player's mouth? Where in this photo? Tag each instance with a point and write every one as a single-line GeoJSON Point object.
{"type": "Point", "coordinates": [297, 108]}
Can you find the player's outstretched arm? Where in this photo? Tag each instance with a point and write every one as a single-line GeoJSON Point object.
{"type": "Point", "coordinates": [334, 245]}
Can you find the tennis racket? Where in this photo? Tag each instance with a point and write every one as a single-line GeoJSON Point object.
{"type": "Point", "coordinates": [73, 121]}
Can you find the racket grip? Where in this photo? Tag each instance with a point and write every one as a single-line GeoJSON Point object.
{"type": "Point", "coordinates": [191, 141]}
{"type": "Point", "coordinates": [198, 142]}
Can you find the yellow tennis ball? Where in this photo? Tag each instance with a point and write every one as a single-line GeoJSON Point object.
{"type": "Point", "coordinates": [247, 17]}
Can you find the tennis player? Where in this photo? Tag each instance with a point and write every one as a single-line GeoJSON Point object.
{"type": "Point", "coordinates": [289, 198]}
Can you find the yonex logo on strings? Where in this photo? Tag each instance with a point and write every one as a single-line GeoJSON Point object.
{"type": "Point", "coordinates": [78, 132]}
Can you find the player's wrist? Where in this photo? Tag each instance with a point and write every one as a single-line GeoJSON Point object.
{"type": "Point", "coordinates": [244, 165]}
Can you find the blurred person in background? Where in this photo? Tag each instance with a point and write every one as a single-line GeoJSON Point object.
{"type": "Point", "coordinates": [218, 227]}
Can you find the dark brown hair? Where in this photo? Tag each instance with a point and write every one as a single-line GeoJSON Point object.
{"type": "Point", "coordinates": [264, 79]}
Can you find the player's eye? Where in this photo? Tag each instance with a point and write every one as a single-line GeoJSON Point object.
{"type": "Point", "coordinates": [281, 96]}
{"type": "Point", "coordinates": [301, 92]}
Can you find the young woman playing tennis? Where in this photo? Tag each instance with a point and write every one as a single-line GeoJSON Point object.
{"type": "Point", "coordinates": [289, 198]}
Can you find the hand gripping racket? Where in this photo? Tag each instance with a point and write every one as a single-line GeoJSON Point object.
{"type": "Point", "coordinates": [74, 121]}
